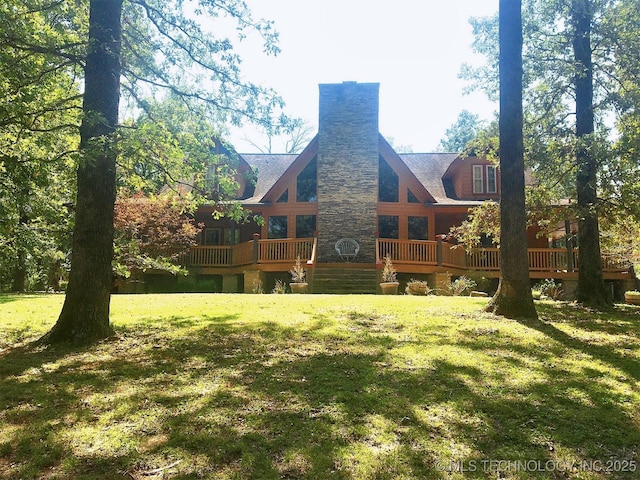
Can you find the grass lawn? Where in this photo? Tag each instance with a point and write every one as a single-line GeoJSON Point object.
{"type": "Point", "coordinates": [320, 387]}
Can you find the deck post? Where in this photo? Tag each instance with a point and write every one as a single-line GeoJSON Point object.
{"type": "Point", "coordinates": [256, 237]}
{"type": "Point", "coordinates": [569, 242]}
{"type": "Point", "coordinates": [439, 251]}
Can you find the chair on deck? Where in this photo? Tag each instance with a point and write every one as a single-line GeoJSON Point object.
{"type": "Point", "coordinates": [347, 248]}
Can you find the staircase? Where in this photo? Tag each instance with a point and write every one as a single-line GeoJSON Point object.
{"type": "Point", "coordinates": [344, 280]}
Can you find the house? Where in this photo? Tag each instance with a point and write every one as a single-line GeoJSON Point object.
{"type": "Point", "coordinates": [349, 183]}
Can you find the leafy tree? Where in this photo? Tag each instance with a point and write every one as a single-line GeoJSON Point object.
{"type": "Point", "coordinates": [463, 131]}
{"type": "Point", "coordinates": [152, 232]}
{"type": "Point", "coordinates": [513, 298]}
{"type": "Point", "coordinates": [591, 289]}
{"type": "Point", "coordinates": [568, 141]}
{"type": "Point", "coordinates": [85, 313]}
{"type": "Point", "coordinates": [483, 220]}
{"type": "Point", "coordinates": [154, 45]}
{"type": "Point", "coordinates": [39, 115]}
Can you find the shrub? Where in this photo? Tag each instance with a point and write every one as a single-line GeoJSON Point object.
{"type": "Point", "coordinates": [461, 285]}
{"type": "Point", "coordinates": [549, 288]}
{"type": "Point", "coordinates": [417, 287]}
{"type": "Point", "coordinates": [280, 287]}
{"type": "Point", "coordinates": [257, 287]}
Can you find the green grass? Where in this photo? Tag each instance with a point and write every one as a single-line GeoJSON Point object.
{"type": "Point", "coordinates": [320, 387]}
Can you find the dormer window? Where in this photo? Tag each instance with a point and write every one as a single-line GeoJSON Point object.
{"type": "Point", "coordinates": [478, 179]}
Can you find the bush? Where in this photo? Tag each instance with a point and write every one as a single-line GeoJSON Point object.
{"type": "Point", "coordinates": [417, 287]}
{"type": "Point", "coordinates": [280, 287]}
{"type": "Point", "coordinates": [549, 288]}
{"type": "Point", "coordinates": [461, 285]}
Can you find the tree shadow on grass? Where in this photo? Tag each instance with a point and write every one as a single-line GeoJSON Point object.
{"type": "Point", "coordinates": [623, 323]}
{"type": "Point", "coordinates": [225, 400]}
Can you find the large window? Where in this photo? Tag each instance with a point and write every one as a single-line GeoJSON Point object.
{"type": "Point", "coordinates": [277, 226]}
{"type": "Point", "coordinates": [229, 234]}
{"type": "Point", "coordinates": [388, 226]}
{"type": "Point", "coordinates": [418, 228]}
{"type": "Point", "coordinates": [305, 226]}
{"type": "Point", "coordinates": [492, 183]}
{"type": "Point", "coordinates": [211, 236]}
{"type": "Point", "coordinates": [387, 182]}
{"type": "Point", "coordinates": [478, 181]}
{"type": "Point", "coordinates": [307, 183]}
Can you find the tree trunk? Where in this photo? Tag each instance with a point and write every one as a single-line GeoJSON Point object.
{"type": "Point", "coordinates": [513, 298]}
{"type": "Point", "coordinates": [591, 289]}
{"type": "Point", "coordinates": [19, 277]}
{"type": "Point", "coordinates": [85, 313]}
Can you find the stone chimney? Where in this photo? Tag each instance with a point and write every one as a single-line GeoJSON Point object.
{"type": "Point", "coordinates": [347, 168]}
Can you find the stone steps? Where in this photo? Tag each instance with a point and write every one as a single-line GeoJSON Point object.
{"type": "Point", "coordinates": [344, 280]}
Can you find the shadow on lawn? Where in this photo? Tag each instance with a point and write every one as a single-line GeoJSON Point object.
{"type": "Point", "coordinates": [230, 401]}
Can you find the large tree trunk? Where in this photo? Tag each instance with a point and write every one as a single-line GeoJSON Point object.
{"type": "Point", "coordinates": [591, 289]}
{"type": "Point", "coordinates": [513, 298]}
{"type": "Point", "coordinates": [19, 277]}
{"type": "Point", "coordinates": [85, 314]}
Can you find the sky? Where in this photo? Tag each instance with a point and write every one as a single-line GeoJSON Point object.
{"type": "Point", "coordinates": [413, 48]}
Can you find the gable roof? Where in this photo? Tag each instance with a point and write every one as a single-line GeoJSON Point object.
{"type": "Point", "coordinates": [270, 167]}
{"type": "Point", "coordinates": [430, 169]}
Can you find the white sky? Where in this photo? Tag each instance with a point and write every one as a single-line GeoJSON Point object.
{"type": "Point", "coordinates": [413, 48]}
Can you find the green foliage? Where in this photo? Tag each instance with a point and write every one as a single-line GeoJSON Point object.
{"type": "Point", "coordinates": [169, 55]}
{"type": "Point", "coordinates": [483, 222]}
{"type": "Point", "coordinates": [549, 74]}
{"type": "Point", "coordinates": [280, 287]}
{"type": "Point", "coordinates": [549, 288]}
{"type": "Point", "coordinates": [461, 286]}
{"type": "Point", "coordinates": [464, 130]}
{"type": "Point", "coordinates": [39, 117]}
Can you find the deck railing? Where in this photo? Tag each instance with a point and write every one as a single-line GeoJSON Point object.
{"type": "Point", "coordinates": [402, 252]}
{"type": "Point", "coordinates": [267, 251]}
{"type": "Point", "coordinates": [209, 255]}
{"type": "Point", "coordinates": [285, 250]}
{"type": "Point", "coordinates": [422, 252]}
{"type": "Point", "coordinates": [408, 251]}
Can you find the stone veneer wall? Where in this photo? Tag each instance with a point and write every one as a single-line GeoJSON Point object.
{"type": "Point", "coordinates": [347, 168]}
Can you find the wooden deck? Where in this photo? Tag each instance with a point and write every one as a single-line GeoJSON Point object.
{"type": "Point", "coordinates": [408, 256]}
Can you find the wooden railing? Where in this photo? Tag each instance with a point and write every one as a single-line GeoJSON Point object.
{"type": "Point", "coordinates": [209, 255]}
{"type": "Point", "coordinates": [402, 252]}
{"type": "Point", "coordinates": [408, 251]}
{"type": "Point", "coordinates": [284, 251]}
{"type": "Point", "coordinates": [268, 251]}
{"type": "Point", "coordinates": [484, 259]}
{"type": "Point", "coordinates": [242, 254]}
{"type": "Point", "coordinates": [453, 255]}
